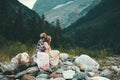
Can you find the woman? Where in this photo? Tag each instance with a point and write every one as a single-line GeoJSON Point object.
{"type": "Point", "coordinates": [41, 57]}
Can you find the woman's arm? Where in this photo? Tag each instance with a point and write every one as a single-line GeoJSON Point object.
{"type": "Point", "coordinates": [47, 47]}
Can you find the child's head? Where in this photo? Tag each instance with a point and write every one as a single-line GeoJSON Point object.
{"type": "Point", "coordinates": [43, 35]}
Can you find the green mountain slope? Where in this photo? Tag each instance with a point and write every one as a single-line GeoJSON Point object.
{"type": "Point", "coordinates": [100, 28]}
{"type": "Point", "coordinates": [19, 23]}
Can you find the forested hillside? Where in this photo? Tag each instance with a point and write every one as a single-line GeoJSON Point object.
{"type": "Point", "coordinates": [18, 23]}
{"type": "Point", "coordinates": [99, 29]}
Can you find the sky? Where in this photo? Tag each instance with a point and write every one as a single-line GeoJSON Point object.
{"type": "Point", "coordinates": [28, 3]}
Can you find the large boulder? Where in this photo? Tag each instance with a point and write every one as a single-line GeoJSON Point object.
{"type": "Point", "coordinates": [87, 63]}
{"type": "Point", "coordinates": [97, 78]}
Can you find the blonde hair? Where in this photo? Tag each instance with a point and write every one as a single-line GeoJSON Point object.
{"type": "Point", "coordinates": [48, 39]}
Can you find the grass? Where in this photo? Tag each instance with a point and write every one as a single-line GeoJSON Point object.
{"type": "Point", "coordinates": [9, 51]}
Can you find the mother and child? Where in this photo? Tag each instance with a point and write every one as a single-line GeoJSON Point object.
{"type": "Point", "coordinates": [44, 57]}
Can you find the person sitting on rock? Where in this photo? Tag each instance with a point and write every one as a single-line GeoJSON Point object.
{"type": "Point", "coordinates": [41, 57]}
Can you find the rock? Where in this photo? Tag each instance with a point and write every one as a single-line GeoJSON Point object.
{"type": "Point", "coordinates": [106, 73]}
{"type": "Point", "coordinates": [97, 78]}
{"type": "Point", "coordinates": [74, 68]}
{"type": "Point", "coordinates": [27, 77]}
{"type": "Point", "coordinates": [59, 71]}
{"type": "Point", "coordinates": [90, 74]}
{"type": "Point", "coordinates": [54, 75]}
{"type": "Point", "coordinates": [45, 76]}
{"type": "Point", "coordinates": [58, 79]}
{"type": "Point", "coordinates": [2, 76]}
{"type": "Point", "coordinates": [41, 79]}
{"type": "Point", "coordinates": [68, 63]}
{"type": "Point", "coordinates": [18, 75]}
{"type": "Point", "coordinates": [32, 70]}
{"type": "Point", "coordinates": [64, 56]}
{"type": "Point", "coordinates": [79, 76]}
{"type": "Point", "coordinates": [87, 63]}
{"type": "Point", "coordinates": [68, 74]}
{"type": "Point", "coordinates": [115, 68]}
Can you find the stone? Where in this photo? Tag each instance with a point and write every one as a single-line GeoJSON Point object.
{"type": "Point", "coordinates": [106, 73]}
{"type": "Point", "coordinates": [45, 76]}
{"type": "Point", "coordinates": [64, 56]}
{"type": "Point", "coordinates": [75, 68]}
{"type": "Point", "coordinates": [90, 74]}
{"type": "Point", "coordinates": [18, 75]}
{"type": "Point", "coordinates": [41, 79]}
{"type": "Point", "coordinates": [68, 63]}
{"type": "Point", "coordinates": [79, 76]}
{"type": "Point", "coordinates": [115, 68]}
{"type": "Point", "coordinates": [87, 63]}
{"type": "Point", "coordinates": [54, 75]}
{"type": "Point", "coordinates": [59, 79]}
{"type": "Point", "coordinates": [27, 77]}
{"type": "Point", "coordinates": [2, 76]}
{"type": "Point", "coordinates": [68, 74]}
{"type": "Point", "coordinates": [97, 78]}
{"type": "Point", "coordinates": [32, 70]}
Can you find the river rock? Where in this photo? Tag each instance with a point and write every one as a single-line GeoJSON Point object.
{"type": "Point", "coordinates": [79, 76]}
{"type": "Point", "coordinates": [68, 74]}
{"type": "Point", "coordinates": [106, 73]}
{"type": "Point", "coordinates": [87, 63]}
{"type": "Point", "coordinates": [64, 56]}
{"type": "Point", "coordinates": [97, 78]}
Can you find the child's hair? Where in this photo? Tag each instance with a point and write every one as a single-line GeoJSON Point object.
{"type": "Point", "coordinates": [43, 35]}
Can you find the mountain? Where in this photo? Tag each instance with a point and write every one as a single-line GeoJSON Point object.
{"type": "Point", "coordinates": [16, 21]}
{"type": "Point", "coordinates": [21, 24]}
{"type": "Point", "coordinates": [100, 28]}
{"type": "Point", "coordinates": [67, 11]}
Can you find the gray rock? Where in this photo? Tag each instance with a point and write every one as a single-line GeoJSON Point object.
{"type": "Point", "coordinates": [68, 63]}
{"type": "Point", "coordinates": [32, 70]}
{"type": "Point", "coordinates": [2, 76]}
{"type": "Point", "coordinates": [115, 68]}
{"type": "Point", "coordinates": [64, 56]}
{"type": "Point", "coordinates": [106, 73]}
{"type": "Point", "coordinates": [75, 68]}
{"type": "Point", "coordinates": [87, 63]}
{"type": "Point", "coordinates": [90, 74]}
{"type": "Point", "coordinates": [18, 75]}
{"type": "Point", "coordinates": [79, 76]}
{"type": "Point", "coordinates": [68, 74]}
{"type": "Point", "coordinates": [97, 78]}
{"type": "Point", "coordinates": [59, 79]}
{"type": "Point", "coordinates": [59, 71]}
{"type": "Point", "coordinates": [45, 76]}
{"type": "Point", "coordinates": [5, 78]}
{"type": "Point", "coordinates": [41, 79]}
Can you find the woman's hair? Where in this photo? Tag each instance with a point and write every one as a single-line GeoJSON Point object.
{"type": "Point", "coordinates": [48, 39]}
